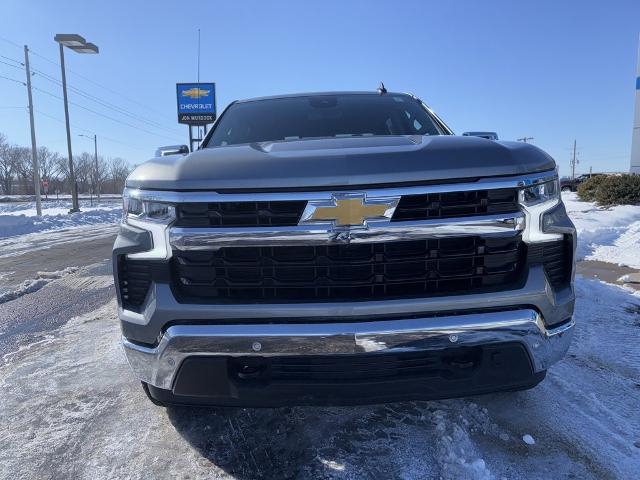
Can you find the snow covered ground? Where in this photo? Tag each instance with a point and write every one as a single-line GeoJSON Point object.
{"type": "Point", "coordinates": [607, 234]}
{"type": "Point", "coordinates": [20, 218]}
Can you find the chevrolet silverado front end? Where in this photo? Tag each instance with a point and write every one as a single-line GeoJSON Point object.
{"type": "Point", "coordinates": [343, 248]}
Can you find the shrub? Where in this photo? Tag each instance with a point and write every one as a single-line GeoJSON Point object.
{"type": "Point", "coordinates": [611, 190]}
{"type": "Point", "coordinates": [587, 189]}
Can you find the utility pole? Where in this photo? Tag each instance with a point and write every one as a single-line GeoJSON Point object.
{"type": "Point", "coordinates": [205, 127]}
{"type": "Point", "coordinates": [574, 161]}
{"type": "Point", "coordinates": [34, 150]}
{"type": "Point", "coordinates": [95, 154]}
{"type": "Point", "coordinates": [525, 139]}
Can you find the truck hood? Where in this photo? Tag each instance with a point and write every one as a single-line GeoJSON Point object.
{"type": "Point", "coordinates": [330, 163]}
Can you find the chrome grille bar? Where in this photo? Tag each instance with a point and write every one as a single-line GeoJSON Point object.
{"type": "Point", "coordinates": [321, 234]}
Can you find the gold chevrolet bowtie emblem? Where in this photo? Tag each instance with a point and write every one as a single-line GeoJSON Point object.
{"type": "Point", "coordinates": [195, 93]}
{"type": "Point", "coordinates": [349, 210]}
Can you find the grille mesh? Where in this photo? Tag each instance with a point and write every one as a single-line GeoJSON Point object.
{"type": "Point", "coordinates": [288, 213]}
{"type": "Point", "coordinates": [134, 277]}
{"type": "Point", "coordinates": [456, 204]}
{"type": "Point", "coordinates": [557, 259]}
{"type": "Point", "coordinates": [347, 272]}
{"type": "Point", "coordinates": [239, 214]}
{"type": "Point", "coordinates": [366, 367]}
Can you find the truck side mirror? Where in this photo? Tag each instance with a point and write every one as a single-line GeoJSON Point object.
{"type": "Point", "coordinates": [172, 150]}
{"type": "Point", "coordinates": [487, 135]}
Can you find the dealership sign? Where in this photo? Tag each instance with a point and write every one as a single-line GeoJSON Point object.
{"type": "Point", "coordinates": [196, 103]}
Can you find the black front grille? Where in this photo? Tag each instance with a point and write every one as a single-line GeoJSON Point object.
{"type": "Point", "coordinates": [239, 214]}
{"type": "Point", "coordinates": [557, 259]}
{"type": "Point", "coordinates": [134, 278]}
{"type": "Point", "coordinates": [446, 363]}
{"type": "Point", "coordinates": [456, 204]}
{"type": "Point", "coordinates": [288, 213]}
{"type": "Point", "coordinates": [347, 272]}
{"type": "Point", "coordinates": [366, 367]}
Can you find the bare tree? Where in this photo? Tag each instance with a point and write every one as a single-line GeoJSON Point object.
{"type": "Point", "coordinates": [23, 167]}
{"type": "Point", "coordinates": [118, 172]}
{"type": "Point", "coordinates": [6, 166]}
{"type": "Point", "coordinates": [16, 170]}
{"type": "Point", "coordinates": [99, 174]}
{"type": "Point", "coordinates": [49, 164]}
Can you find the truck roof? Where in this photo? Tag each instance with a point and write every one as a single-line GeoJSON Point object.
{"type": "Point", "coordinates": [316, 94]}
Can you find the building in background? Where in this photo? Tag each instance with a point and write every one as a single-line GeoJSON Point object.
{"type": "Point", "coordinates": [635, 141]}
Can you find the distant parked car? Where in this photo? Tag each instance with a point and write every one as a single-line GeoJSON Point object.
{"type": "Point", "coordinates": [568, 184]}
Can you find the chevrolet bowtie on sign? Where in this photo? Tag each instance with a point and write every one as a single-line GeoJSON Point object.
{"type": "Point", "coordinates": [196, 103]}
{"type": "Point", "coordinates": [195, 93]}
{"type": "Point", "coordinates": [349, 210]}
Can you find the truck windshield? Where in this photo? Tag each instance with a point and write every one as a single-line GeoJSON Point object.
{"type": "Point", "coordinates": [346, 115]}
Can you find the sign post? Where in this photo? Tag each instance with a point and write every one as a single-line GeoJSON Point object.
{"type": "Point", "coordinates": [196, 106]}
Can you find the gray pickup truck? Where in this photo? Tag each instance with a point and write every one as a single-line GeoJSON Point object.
{"type": "Point", "coordinates": [342, 248]}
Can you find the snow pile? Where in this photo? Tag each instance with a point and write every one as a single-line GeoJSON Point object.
{"type": "Point", "coordinates": [20, 219]}
{"type": "Point", "coordinates": [33, 285]}
{"type": "Point", "coordinates": [456, 451]}
{"type": "Point", "coordinates": [606, 234]}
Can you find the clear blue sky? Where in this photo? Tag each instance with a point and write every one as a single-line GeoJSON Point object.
{"type": "Point", "coordinates": [553, 70]}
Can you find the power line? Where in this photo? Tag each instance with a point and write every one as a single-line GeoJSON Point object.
{"type": "Point", "coordinates": [11, 65]}
{"type": "Point", "coordinates": [93, 98]}
{"type": "Point", "coordinates": [12, 59]}
{"type": "Point", "coordinates": [60, 120]}
{"type": "Point", "coordinates": [106, 104]}
{"type": "Point", "coordinates": [101, 114]}
{"type": "Point", "coordinates": [13, 80]}
{"type": "Point", "coordinates": [87, 131]}
{"type": "Point", "coordinates": [104, 87]}
{"type": "Point", "coordinates": [10, 42]}
{"type": "Point", "coordinates": [108, 89]}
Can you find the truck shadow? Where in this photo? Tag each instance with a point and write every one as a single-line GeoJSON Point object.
{"type": "Point", "coordinates": [302, 442]}
{"type": "Point", "coordinates": [247, 443]}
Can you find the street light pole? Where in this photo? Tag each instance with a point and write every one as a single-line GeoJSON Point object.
{"type": "Point", "coordinates": [78, 44]}
{"type": "Point", "coordinates": [95, 157]}
{"type": "Point", "coordinates": [75, 205]}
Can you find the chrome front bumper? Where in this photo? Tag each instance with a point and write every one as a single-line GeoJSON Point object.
{"type": "Point", "coordinates": [158, 366]}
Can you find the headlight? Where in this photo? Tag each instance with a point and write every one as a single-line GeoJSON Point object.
{"type": "Point", "coordinates": [152, 216]}
{"type": "Point", "coordinates": [536, 198]}
{"type": "Point", "coordinates": [540, 193]}
{"type": "Point", "coordinates": [147, 210]}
